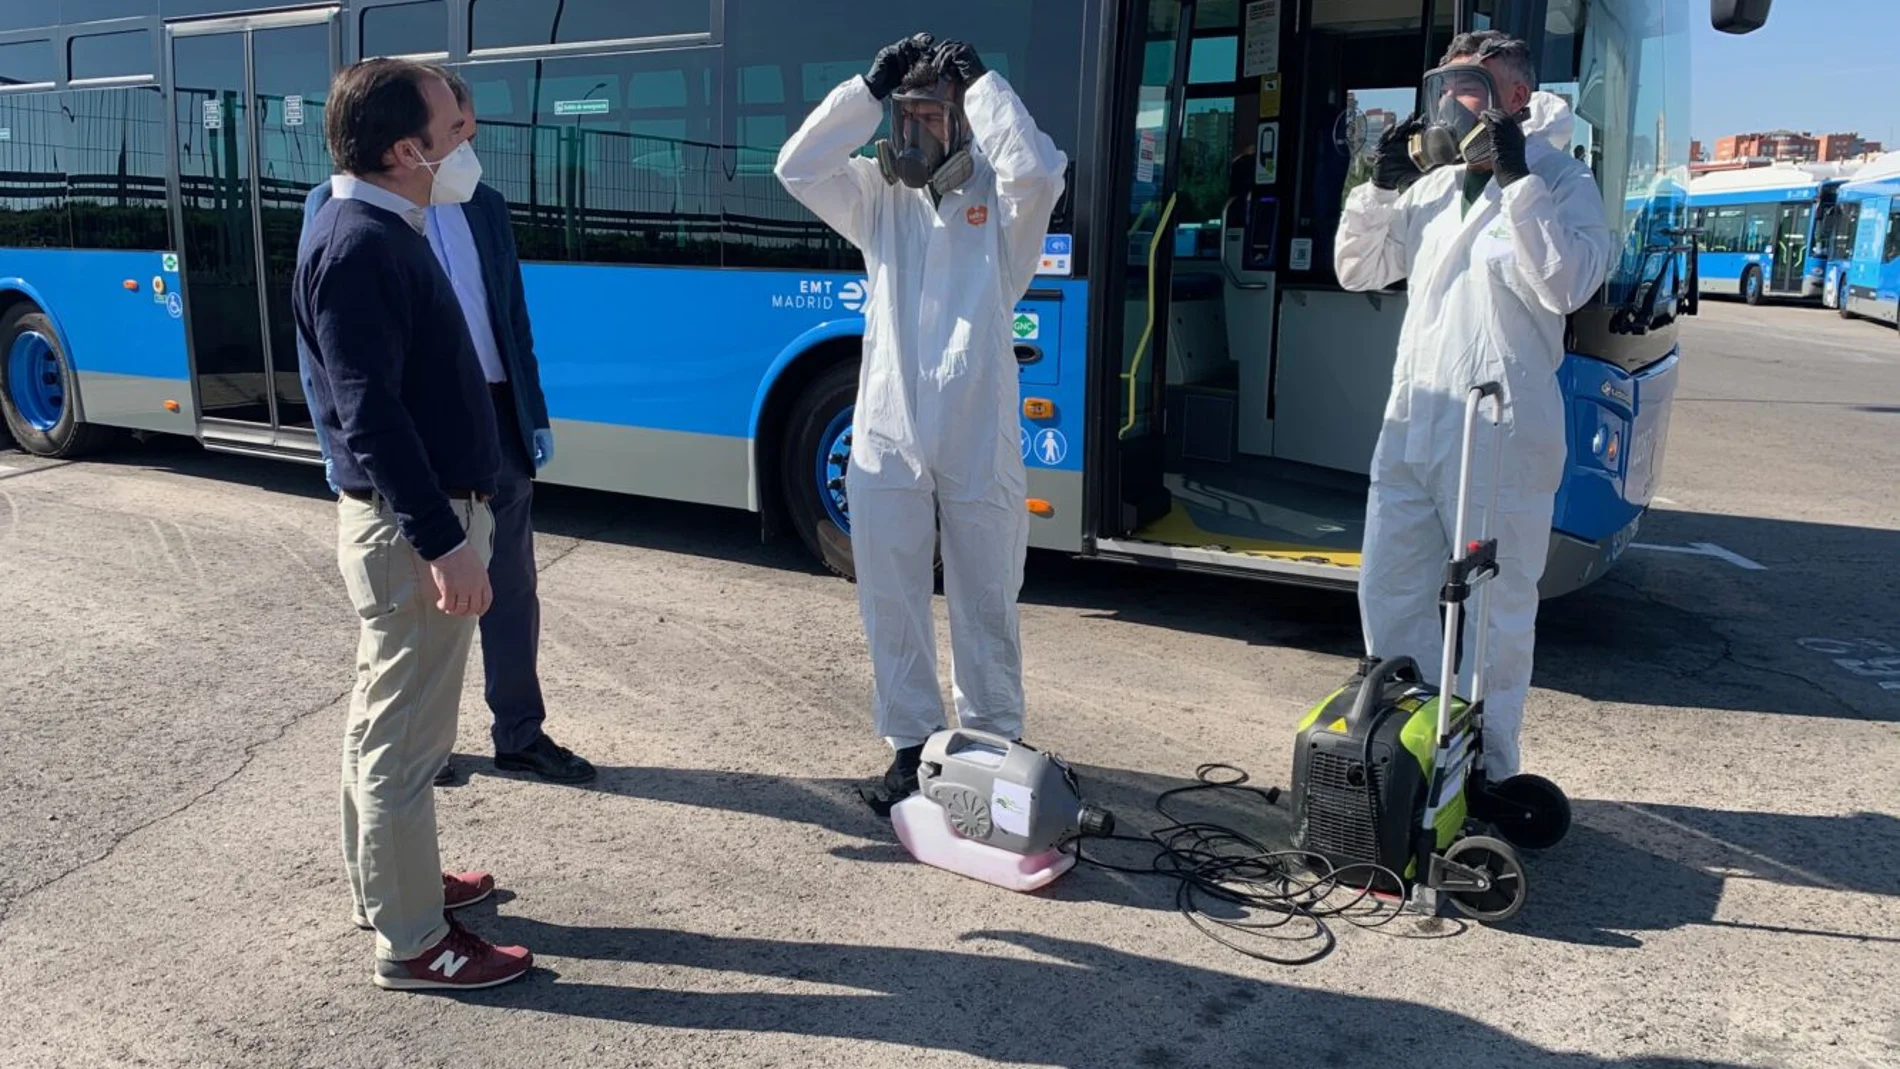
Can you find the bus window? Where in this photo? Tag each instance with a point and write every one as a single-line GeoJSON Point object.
{"type": "Point", "coordinates": [1208, 146]}
{"type": "Point", "coordinates": [782, 59]}
{"type": "Point", "coordinates": [33, 201]}
{"type": "Point", "coordinates": [605, 159]}
{"type": "Point", "coordinates": [118, 168]}
{"type": "Point", "coordinates": [526, 23]}
{"type": "Point", "coordinates": [28, 63]}
{"type": "Point", "coordinates": [1893, 238]}
{"type": "Point", "coordinates": [111, 55]}
{"type": "Point", "coordinates": [419, 29]}
{"type": "Point", "coordinates": [1363, 64]}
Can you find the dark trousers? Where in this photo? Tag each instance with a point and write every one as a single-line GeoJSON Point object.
{"type": "Point", "coordinates": [511, 628]}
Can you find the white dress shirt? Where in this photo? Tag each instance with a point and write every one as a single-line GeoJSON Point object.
{"type": "Point", "coordinates": [454, 245]}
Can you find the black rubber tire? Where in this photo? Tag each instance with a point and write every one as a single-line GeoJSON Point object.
{"type": "Point", "coordinates": [1751, 294]}
{"type": "Point", "coordinates": [1528, 811]}
{"type": "Point", "coordinates": [1509, 886]}
{"type": "Point", "coordinates": [835, 389]}
{"type": "Point", "coordinates": [68, 438]}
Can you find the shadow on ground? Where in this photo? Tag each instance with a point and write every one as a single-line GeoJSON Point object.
{"type": "Point", "coordinates": [1623, 871]}
{"type": "Point", "coordinates": [1091, 1005]}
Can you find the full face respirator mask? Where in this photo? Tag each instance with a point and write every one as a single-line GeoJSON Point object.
{"type": "Point", "coordinates": [1454, 97]}
{"type": "Point", "coordinates": [929, 146]}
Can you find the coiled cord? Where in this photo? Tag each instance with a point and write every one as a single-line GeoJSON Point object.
{"type": "Point", "coordinates": [1276, 889]}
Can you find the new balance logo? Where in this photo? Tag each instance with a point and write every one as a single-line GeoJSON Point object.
{"type": "Point", "coordinates": [448, 963]}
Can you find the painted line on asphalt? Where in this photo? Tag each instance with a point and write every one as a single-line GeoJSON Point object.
{"type": "Point", "coordinates": [1705, 549]}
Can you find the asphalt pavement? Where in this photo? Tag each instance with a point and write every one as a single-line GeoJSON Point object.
{"type": "Point", "coordinates": [1723, 709]}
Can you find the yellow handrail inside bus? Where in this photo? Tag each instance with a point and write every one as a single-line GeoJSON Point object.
{"type": "Point", "coordinates": [1148, 328]}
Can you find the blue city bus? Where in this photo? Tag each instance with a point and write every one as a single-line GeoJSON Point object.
{"type": "Point", "coordinates": [1869, 272]}
{"type": "Point", "coordinates": [1765, 232]}
{"type": "Point", "coordinates": [1198, 390]}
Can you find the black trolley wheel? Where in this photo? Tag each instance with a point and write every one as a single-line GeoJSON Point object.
{"type": "Point", "coordinates": [1498, 861]}
{"type": "Point", "coordinates": [1528, 811]}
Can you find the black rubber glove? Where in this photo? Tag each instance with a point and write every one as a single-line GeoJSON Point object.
{"type": "Point", "coordinates": [1393, 167]}
{"type": "Point", "coordinates": [960, 62]}
{"type": "Point", "coordinates": [894, 61]}
{"type": "Point", "coordinates": [1507, 147]}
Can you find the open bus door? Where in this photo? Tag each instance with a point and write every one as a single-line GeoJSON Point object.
{"type": "Point", "coordinates": [1135, 229]}
{"type": "Point", "coordinates": [247, 144]}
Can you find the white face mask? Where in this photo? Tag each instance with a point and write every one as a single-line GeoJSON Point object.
{"type": "Point", "coordinates": [455, 175]}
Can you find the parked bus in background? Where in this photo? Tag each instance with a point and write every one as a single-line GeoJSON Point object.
{"type": "Point", "coordinates": [1198, 390]}
{"type": "Point", "coordinates": [1870, 218]}
{"type": "Point", "coordinates": [1765, 232]}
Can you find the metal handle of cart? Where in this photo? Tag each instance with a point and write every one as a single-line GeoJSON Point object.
{"type": "Point", "coordinates": [1473, 562]}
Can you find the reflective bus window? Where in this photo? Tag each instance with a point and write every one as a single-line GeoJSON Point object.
{"type": "Point", "coordinates": [71, 11]}
{"type": "Point", "coordinates": [27, 63]}
{"type": "Point", "coordinates": [782, 59]}
{"type": "Point", "coordinates": [406, 29]}
{"type": "Point", "coordinates": [111, 55]}
{"type": "Point", "coordinates": [117, 165]}
{"type": "Point", "coordinates": [605, 159]}
{"type": "Point", "coordinates": [33, 157]}
{"type": "Point", "coordinates": [524, 23]}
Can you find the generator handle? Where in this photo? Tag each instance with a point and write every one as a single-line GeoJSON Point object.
{"type": "Point", "coordinates": [1376, 673]}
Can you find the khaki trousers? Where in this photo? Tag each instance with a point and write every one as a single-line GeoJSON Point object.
{"type": "Point", "coordinates": [410, 662]}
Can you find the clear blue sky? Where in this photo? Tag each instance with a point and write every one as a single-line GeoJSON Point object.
{"type": "Point", "coordinates": [1832, 73]}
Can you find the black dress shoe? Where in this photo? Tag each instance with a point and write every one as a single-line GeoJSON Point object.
{"type": "Point", "coordinates": [548, 760]}
{"type": "Point", "coordinates": [445, 776]}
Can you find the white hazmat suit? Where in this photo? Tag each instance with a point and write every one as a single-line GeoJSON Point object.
{"type": "Point", "coordinates": [935, 435]}
{"type": "Point", "coordinates": [1487, 297]}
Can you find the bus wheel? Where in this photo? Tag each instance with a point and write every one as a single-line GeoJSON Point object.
{"type": "Point", "coordinates": [1751, 285]}
{"type": "Point", "coordinates": [36, 388]}
{"type": "Point", "coordinates": [817, 450]}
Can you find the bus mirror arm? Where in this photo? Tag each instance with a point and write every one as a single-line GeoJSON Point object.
{"type": "Point", "coordinates": [1638, 314]}
{"type": "Point", "coordinates": [1692, 295]}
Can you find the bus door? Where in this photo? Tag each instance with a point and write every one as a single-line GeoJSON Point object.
{"type": "Point", "coordinates": [1138, 223]}
{"type": "Point", "coordinates": [1862, 282]}
{"type": "Point", "coordinates": [1791, 246]}
{"type": "Point", "coordinates": [247, 146]}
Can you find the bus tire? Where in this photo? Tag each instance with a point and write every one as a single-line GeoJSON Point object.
{"type": "Point", "coordinates": [38, 388]}
{"type": "Point", "coordinates": [1751, 284]}
{"type": "Point", "coordinates": [812, 431]}
{"type": "Point", "coordinates": [815, 433]}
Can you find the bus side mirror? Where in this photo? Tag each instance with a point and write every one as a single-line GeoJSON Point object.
{"type": "Point", "coordinates": [1739, 16]}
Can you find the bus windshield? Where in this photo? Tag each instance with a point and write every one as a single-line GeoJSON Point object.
{"type": "Point", "coordinates": [1623, 66]}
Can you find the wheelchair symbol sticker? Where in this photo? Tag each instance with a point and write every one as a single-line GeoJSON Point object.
{"type": "Point", "coordinates": [174, 305]}
{"type": "Point", "coordinates": [1023, 433]}
{"type": "Point", "coordinates": [1051, 447]}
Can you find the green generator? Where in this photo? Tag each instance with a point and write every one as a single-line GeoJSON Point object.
{"type": "Point", "coordinates": [1388, 793]}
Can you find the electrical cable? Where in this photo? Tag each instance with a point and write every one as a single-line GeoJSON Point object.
{"type": "Point", "coordinates": [1282, 887]}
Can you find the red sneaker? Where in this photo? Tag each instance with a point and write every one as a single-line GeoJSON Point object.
{"type": "Point", "coordinates": [458, 889]}
{"type": "Point", "coordinates": [462, 960]}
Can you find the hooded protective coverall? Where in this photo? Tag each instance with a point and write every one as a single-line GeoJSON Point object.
{"type": "Point", "coordinates": [1487, 298]}
{"type": "Point", "coordinates": [935, 435]}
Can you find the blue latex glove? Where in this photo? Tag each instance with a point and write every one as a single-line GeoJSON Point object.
{"type": "Point", "coordinates": [543, 447]}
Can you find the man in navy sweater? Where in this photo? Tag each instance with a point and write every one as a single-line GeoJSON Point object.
{"type": "Point", "coordinates": [475, 245]}
{"type": "Point", "coordinates": [397, 388]}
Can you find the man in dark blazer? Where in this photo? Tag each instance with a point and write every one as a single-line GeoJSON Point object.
{"type": "Point", "coordinates": [475, 244]}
